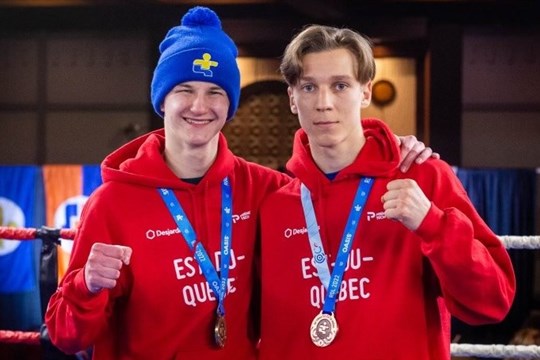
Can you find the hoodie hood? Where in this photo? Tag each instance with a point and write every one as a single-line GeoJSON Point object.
{"type": "Point", "coordinates": [379, 157]}
{"type": "Point", "coordinates": [141, 162]}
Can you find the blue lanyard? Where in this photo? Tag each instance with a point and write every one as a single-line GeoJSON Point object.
{"type": "Point", "coordinates": [219, 285]}
{"type": "Point", "coordinates": [332, 283]}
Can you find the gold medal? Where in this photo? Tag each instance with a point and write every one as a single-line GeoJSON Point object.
{"type": "Point", "coordinates": [324, 329]}
{"type": "Point", "coordinates": [220, 331]}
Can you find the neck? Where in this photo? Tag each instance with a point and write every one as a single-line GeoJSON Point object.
{"type": "Point", "coordinates": [190, 162]}
{"type": "Point", "coordinates": [335, 158]}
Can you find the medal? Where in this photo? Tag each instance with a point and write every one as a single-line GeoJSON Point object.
{"type": "Point", "coordinates": [217, 281]}
{"type": "Point", "coordinates": [324, 329]}
{"type": "Point", "coordinates": [324, 326]}
{"type": "Point", "coordinates": [220, 331]}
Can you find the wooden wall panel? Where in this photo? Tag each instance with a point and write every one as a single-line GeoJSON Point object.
{"type": "Point", "coordinates": [400, 114]}
{"type": "Point", "coordinates": [501, 69]}
{"type": "Point", "coordinates": [18, 137]}
{"type": "Point", "coordinates": [86, 69]}
{"type": "Point", "coordinates": [79, 137]}
{"type": "Point", "coordinates": [18, 70]}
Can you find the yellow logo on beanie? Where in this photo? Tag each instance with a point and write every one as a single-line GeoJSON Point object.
{"type": "Point", "coordinates": [202, 66]}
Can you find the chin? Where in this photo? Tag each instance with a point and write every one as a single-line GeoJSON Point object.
{"type": "Point", "coordinates": [325, 140]}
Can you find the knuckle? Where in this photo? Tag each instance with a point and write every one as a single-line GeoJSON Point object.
{"type": "Point", "coordinates": [111, 283]}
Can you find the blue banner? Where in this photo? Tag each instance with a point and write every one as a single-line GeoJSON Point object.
{"type": "Point", "coordinates": [91, 178]}
{"type": "Point", "coordinates": [505, 199]}
{"type": "Point", "coordinates": [18, 203]}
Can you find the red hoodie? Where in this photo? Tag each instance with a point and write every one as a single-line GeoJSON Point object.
{"type": "Point", "coordinates": [162, 306]}
{"type": "Point", "coordinates": [400, 287]}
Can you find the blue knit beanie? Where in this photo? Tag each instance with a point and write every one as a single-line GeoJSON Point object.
{"type": "Point", "coordinates": [197, 50]}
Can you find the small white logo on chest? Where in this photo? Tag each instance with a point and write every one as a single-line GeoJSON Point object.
{"type": "Point", "coordinates": [371, 215]}
{"type": "Point", "coordinates": [243, 216]}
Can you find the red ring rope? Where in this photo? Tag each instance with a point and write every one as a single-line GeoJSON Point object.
{"type": "Point", "coordinates": [11, 233]}
{"type": "Point", "coordinates": [19, 337]}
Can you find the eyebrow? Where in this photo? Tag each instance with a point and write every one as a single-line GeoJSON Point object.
{"type": "Point", "coordinates": [332, 78]}
{"type": "Point", "coordinates": [188, 86]}
{"type": "Point", "coordinates": [216, 87]}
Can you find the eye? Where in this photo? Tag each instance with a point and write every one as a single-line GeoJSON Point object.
{"type": "Point", "coordinates": [307, 87]}
{"type": "Point", "coordinates": [182, 89]}
{"type": "Point", "coordinates": [341, 86]}
{"type": "Point", "coordinates": [217, 92]}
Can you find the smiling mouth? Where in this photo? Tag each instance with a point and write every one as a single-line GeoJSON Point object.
{"type": "Point", "coordinates": [197, 121]}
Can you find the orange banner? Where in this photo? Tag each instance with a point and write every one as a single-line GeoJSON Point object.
{"type": "Point", "coordinates": [67, 188]}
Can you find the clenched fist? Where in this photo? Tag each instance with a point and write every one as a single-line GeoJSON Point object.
{"type": "Point", "coordinates": [405, 202]}
{"type": "Point", "coordinates": [103, 266]}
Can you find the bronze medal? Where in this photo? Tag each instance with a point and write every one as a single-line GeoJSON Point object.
{"type": "Point", "coordinates": [324, 329]}
{"type": "Point", "coordinates": [220, 331]}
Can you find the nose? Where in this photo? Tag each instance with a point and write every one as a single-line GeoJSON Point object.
{"type": "Point", "coordinates": [324, 102]}
{"type": "Point", "coordinates": [199, 103]}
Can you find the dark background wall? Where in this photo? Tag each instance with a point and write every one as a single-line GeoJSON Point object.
{"type": "Point", "coordinates": [74, 75]}
{"type": "Point", "coordinates": [67, 70]}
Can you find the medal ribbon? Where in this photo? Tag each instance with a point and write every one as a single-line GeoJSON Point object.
{"type": "Point", "coordinates": [218, 285]}
{"type": "Point", "coordinates": [332, 283]}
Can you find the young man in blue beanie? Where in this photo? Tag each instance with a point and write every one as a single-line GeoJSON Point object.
{"type": "Point", "coordinates": [163, 265]}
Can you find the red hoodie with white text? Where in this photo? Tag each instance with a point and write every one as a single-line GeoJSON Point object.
{"type": "Point", "coordinates": [400, 286]}
{"type": "Point", "coordinates": [162, 306]}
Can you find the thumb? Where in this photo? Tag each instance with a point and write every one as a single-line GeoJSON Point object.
{"type": "Point", "coordinates": [126, 254]}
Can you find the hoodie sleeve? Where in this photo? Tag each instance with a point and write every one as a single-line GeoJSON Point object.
{"type": "Point", "coordinates": [75, 317]}
{"type": "Point", "coordinates": [472, 266]}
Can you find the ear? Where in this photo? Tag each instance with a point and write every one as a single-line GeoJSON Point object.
{"type": "Point", "coordinates": [292, 103]}
{"type": "Point", "coordinates": [366, 94]}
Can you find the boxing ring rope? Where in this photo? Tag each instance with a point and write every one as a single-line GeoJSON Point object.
{"type": "Point", "coordinates": [51, 235]}
{"type": "Point", "coordinates": [496, 351]}
{"type": "Point", "coordinates": [11, 233]}
{"type": "Point", "coordinates": [520, 242]}
{"type": "Point", "coordinates": [20, 337]}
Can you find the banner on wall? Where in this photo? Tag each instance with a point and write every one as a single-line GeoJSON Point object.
{"type": "Point", "coordinates": [67, 188]}
{"type": "Point", "coordinates": [18, 204]}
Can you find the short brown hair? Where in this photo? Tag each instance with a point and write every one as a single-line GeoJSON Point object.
{"type": "Point", "coordinates": [316, 38]}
